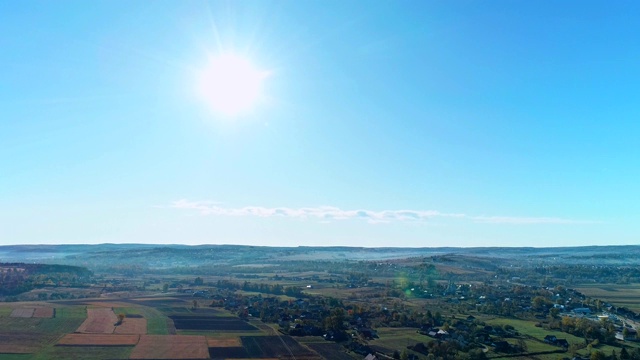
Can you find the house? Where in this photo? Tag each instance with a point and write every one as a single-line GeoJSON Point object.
{"type": "Point", "coordinates": [582, 311]}
{"type": "Point", "coordinates": [550, 339]}
{"type": "Point", "coordinates": [370, 357]}
{"type": "Point", "coordinates": [367, 333]}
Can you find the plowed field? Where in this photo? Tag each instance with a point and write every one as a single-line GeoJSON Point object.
{"type": "Point", "coordinates": [98, 340]}
{"type": "Point", "coordinates": [99, 321]}
{"type": "Point", "coordinates": [171, 347]}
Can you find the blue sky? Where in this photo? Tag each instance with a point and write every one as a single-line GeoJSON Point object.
{"type": "Point", "coordinates": [385, 123]}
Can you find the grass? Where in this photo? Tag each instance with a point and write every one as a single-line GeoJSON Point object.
{"type": "Point", "coordinates": [528, 328]}
{"type": "Point", "coordinates": [399, 338]}
{"type": "Point", "coordinates": [157, 322]}
{"type": "Point", "coordinates": [5, 311]}
{"type": "Point", "coordinates": [16, 356]}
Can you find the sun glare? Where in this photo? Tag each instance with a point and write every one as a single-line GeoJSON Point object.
{"type": "Point", "coordinates": [231, 85]}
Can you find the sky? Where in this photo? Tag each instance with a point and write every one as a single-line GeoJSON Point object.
{"type": "Point", "coordinates": [378, 123]}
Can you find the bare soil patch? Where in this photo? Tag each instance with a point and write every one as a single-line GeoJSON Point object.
{"type": "Point", "coordinates": [132, 326]}
{"type": "Point", "coordinates": [43, 312]}
{"type": "Point", "coordinates": [224, 342]}
{"type": "Point", "coordinates": [99, 321]}
{"type": "Point", "coordinates": [23, 312]}
{"type": "Point", "coordinates": [171, 347]}
{"type": "Point", "coordinates": [98, 340]}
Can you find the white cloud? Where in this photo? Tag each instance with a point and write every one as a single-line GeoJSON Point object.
{"type": "Point", "coordinates": [329, 213]}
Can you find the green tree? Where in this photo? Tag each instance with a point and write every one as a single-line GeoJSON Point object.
{"type": "Point", "coordinates": [624, 354]}
{"type": "Point", "coordinates": [404, 355]}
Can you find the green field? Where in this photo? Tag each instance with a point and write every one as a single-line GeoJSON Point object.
{"type": "Point", "coordinates": [399, 338]}
{"type": "Point", "coordinates": [157, 322]}
{"type": "Point", "coordinates": [528, 328]}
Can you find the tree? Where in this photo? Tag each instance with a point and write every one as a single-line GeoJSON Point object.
{"type": "Point", "coordinates": [538, 302]}
{"type": "Point", "coordinates": [165, 287]}
{"type": "Point", "coordinates": [121, 317]}
{"type": "Point", "coordinates": [522, 345]}
{"type": "Point", "coordinates": [404, 355]}
{"type": "Point", "coordinates": [198, 281]}
{"type": "Point", "coordinates": [624, 354]}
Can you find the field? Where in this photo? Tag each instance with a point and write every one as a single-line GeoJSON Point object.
{"type": "Point", "coordinates": [330, 351]}
{"type": "Point", "coordinates": [84, 352]}
{"type": "Point", "coordinates": [171, 347]}
{"type": "Point", "coordinates": [43, 312]}
{"type": "Point", "coordinates": [224, 342]}
{"type": "Point", "coordinates": [132, 326]}
{"type": "Point", "coordinates": [98, 340]}
{"type": "Point", "coordinates": [620, 295]}
{"type": "Point", "coordinates": [23, 313]}
{"type": "Point", "coordinates": [32, 335]}
{"type": "Point", "coordinates": [100, 321]}
{"type": "Point", "coordinates": [275, 347]}
{"type": "Point", "coordinates": [189, 322]}
{"type": "Point", "coordinates": [157, 322]}
{"type": "Point", "coordinates": [234, 352]}
{"type": "Point", "coordinates": [36, 312]}
{"type": "Point", "coordinates": [528, 328]}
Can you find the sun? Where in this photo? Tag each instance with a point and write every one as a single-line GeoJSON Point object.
{"type": "Point", "coordinates": [230, 84]}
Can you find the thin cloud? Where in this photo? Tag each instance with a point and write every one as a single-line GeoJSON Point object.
{"type": "Point", "coordinates": [329, 213]}
{"type": "Point", "coordinates": [525, 220]}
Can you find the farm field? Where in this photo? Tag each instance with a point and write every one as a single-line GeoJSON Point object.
{"type": "Point", "coordinates": [224, 342]}
{"type": "Point", "coordinates": [98, 340]}
{"type": "Point", "coordinates": [132, 326]}
{"type": "Point", "coordinates": [83, 352]}
{"type": "Point", "coordinates": [32, 335]}
{"type": "Point", "coordinates": [528, 328]}
{"type": "Point", "coordinates": [43, 312]}
{"type": "Point", "coordinates": [275, 347]}
{"type": "Point", "coordinates": [157, 322]}
{"type": "Point", "coordinates": [627, 295]}
{"type": "Point", "coordinates": [100, 320]}
{"type": "Point", "coordinates": [23, 313]}
{"type": "Point", "coordinates": [190, 322]}
{"type": "Point", "coordinates": [171, 347]}
{"type": "Point", "coordinates": [398, 338]}
{"type": "Point", "coordinates": [330, 351]}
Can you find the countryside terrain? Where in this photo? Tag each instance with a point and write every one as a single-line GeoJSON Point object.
{"type": "Point", "coordinates": [244, 302]}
